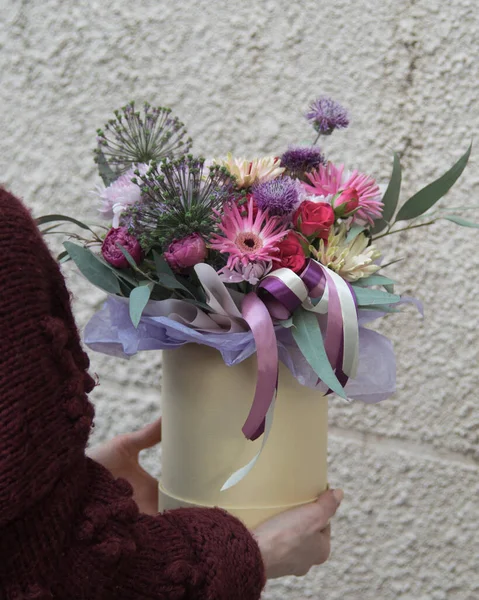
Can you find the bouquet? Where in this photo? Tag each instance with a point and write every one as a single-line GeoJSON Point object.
{"type": "Point", "coordinates": [272, 260]}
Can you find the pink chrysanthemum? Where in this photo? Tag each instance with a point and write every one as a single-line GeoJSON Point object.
{"type": "Point", "coordinates": [330, 179]}
{"type": "Point", "coordinates": [250, 238]}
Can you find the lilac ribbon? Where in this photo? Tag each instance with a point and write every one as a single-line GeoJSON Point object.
{"type": "Point", "coordinates": [259, 320]}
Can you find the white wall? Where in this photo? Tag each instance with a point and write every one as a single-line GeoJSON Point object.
{"type": "Point", "coordinates": [240, 75]}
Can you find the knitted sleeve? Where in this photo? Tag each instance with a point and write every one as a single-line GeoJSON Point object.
{"type": "Point", "coordinates": [186, 554]}
{"type": "Point", "coordinates": [68, 530]}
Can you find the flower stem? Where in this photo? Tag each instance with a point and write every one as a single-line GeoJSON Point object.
{"type": "Point", "coordinates": [389, 232]}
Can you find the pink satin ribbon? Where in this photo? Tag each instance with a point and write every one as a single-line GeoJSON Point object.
{"type": "Point", "coordinates": [258, 318]}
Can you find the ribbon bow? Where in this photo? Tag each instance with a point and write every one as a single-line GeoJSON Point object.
{"type": "Point", "coordinates": [319, 290]}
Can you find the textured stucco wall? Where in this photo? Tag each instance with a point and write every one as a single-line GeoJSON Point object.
{"type": "Point", "coordinates": [239, 75]}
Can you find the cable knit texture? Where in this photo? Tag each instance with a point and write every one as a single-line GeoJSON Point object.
{"type": "Point", "coordinates": [68, 530]}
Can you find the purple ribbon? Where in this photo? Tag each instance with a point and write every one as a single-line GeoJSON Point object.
{"type": "Point", "coordinates": [259, 320]}
{"type": "Point", "coordinates": [281, 300]}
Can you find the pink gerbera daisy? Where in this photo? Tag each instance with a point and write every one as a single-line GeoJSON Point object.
{"type": "Point", "coordinates": [249, 238]}
{"type": "Point", "coordinates": [329, 179]}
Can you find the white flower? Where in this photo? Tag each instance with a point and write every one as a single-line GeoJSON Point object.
{"type": "Point", "coordinates": [121, 194]}
{"type": "Point", "coordinates": [351, 260]}
{"type": "Point", "coordinates": [247, 172]}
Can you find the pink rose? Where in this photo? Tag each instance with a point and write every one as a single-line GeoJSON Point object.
{"type": "Point", "coordinates": [186, 253]}
{"type": "Point", "coordinates": [346, 203]}
{"type": "Point", "coordinates": [314, 219]}
{"type": "Point", "coordinates": [113, 254]}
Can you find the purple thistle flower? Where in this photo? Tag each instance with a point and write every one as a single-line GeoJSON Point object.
{"type": "Point", "coordinates": [279, 196]}
{"type": "Point", "coordinates": [302, 159]}
{"type": "Point", "coordinates": [326, 115]}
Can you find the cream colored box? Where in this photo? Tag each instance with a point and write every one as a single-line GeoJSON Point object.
{"type": "Point", "coordinates": [204, 406]}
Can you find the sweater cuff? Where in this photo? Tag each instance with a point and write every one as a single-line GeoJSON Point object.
{"type": "Point", "coordinates": [228, 555]}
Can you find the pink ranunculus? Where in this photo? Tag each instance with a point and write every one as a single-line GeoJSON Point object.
{"type": "Point", "coordinates": [346, 203]}
{"type": "Point", "coordinates": [187, 252]}
{"type": "Point", "coordinates": [113, 254]}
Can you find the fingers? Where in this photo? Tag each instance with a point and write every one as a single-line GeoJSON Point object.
{"type": "Point", "coordinates": [147, 436]}
{"type": "Point", "coordinates": [327, 505]}
{"type": "Point", "coordinates": [325, 546]}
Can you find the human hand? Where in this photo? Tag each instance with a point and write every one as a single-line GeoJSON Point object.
{"type": "Point", "coordinates": [292, 542]}
{"type": "Point", "coordinates": [120, 456]}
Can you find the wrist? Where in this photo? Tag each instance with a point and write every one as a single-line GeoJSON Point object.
{"type": "Point", "coordinates": [272, 546]}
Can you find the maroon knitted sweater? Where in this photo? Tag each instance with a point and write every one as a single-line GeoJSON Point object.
{"type": "Point", "coordinates": [68, 530]}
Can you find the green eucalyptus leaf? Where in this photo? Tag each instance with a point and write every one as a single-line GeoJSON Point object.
{"type": "Point", "coordinates": [354, 232]}
{"type": "Point", "coordinates": [390, 198]}
{"type": "Point", "coordinates": [125, 288]}
{"type": "Point", "coordinates": [307, 334]}
{"type": "Point", "coordinates": [128, 256]}
{"type": "Point", "coordinates": [139, 297]}
{"type": "Point", "coordinates": [106, 172]}
{"type": "Point", "coordinates": [197, 303]}
{"type": "Point", "coordinates": [63, 257]}
{"type": "Point", "coordinates": [374, 280]}
{"type": "Point", "coordinates": [460, 221]}
{"type": "Point", "coordinates": [287, 323]}
{"type": "Point", "coordinates": [170, 282]}
{"type": "Point", "coordinates": [368, 297]}
{"type": "Point", "coordinates": [381, 308]}
{"type": "Point", "coordinates": [161, 265]}
{"type": "Point", "coordinates": [429, 195]}
{"type": "Point", "coordinates": [127, 275]}
{"type": "Point", "coordinates": [52, 218]}
{"type": "Point", "coordinates": [93, 268]}
{"type": "Point", "coordinates": [160, 293]}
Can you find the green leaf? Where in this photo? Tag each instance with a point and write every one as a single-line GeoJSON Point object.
{"type": "Point", "coordinates": [368, 297]}
{"type": "Point", "coordinates": [127, 275]}
{"type": "Point", "coordinates": [160, 293]}
{"type": "Point", "coordinates": [93, 268]}
{"type": "Point", "coordinates": [128, 256]}
{"type": "Point", "coordinates": [161, 265]}
{"type": "Point", "coordinates": [51, 218]}
{"type": "Point", "coordinates": [171, 283]}
{"type": "Point", "coordinates": [374, 280]}
{"type": "Point", "coordinates": [106, 172]}
{"type": "Point", "coordinates": [381, 308]}
{"type": "Point", "coordinates": [166, 276]}
{"type": "Point", "coordinates": [461, 221]}
{"type": "Point", "coordinates": [139, 297]}
{"type": "Point", "coordinates": [308, 336]}
{"type": "Point", "coordinates": [354, 232]}
{"type": "Point", "coordinates": [429, 195]}
{"type": "Point", "coordinates": [287, 323]}
{"type": "Point", "coordinates": [63, 257]}
{"type": "Point", "coordinates": [197, 303]}
{"type": "Point", "coordinates": [390, 198]}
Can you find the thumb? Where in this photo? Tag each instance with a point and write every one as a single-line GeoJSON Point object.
{"type": "Point", "coordinates": [146, 437]}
